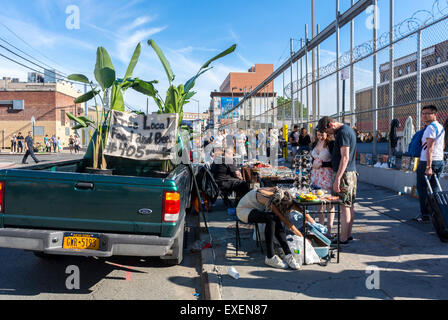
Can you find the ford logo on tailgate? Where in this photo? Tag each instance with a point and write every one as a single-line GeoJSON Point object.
{"type": "Point", "coordinates": [145, 211]}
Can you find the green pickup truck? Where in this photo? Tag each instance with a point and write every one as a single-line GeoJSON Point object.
{"type": "Point", "coordinates": [58, 209]}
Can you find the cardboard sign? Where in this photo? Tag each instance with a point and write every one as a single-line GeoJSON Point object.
{"type": "Point", "coordinates": [142, 137]}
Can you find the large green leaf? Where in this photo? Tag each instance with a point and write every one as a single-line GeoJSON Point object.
{"type": "Point", "coordinates": [76, 119]}
{"type": "Point", "coordinates": [104, 69]}
{"type": "Point", "coordinates": [79, 78]}
{"type": "Point", "coordinates": [133, 62]}
{"type": "Point", "coordinates": [85, 119]}
{"type": "Point", "coordinates": [163, 60]}
{"type": "Point", "coordinates": [222, 54]}
{"type": "Point", "coordinates": [190, 83]}
{"type": "Point", "coordinates": [189, 95]}
{"type": "Point", "coordinates": [144, 87]}
{"type": "Point", "coordinates": [86, 97]}
{"type": "Point", "coordinates": [77, 127]}
{"type": "Point", "coordinates": [117, 101]}
{"type": "Point", "coordinates": [173, 98]}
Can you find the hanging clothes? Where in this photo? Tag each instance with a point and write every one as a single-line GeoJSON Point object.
{"type": "Point", "coordinates": [408, 133]}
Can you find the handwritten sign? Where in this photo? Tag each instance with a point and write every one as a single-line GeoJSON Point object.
{"type": "Point", "coordinates": [142, 137]}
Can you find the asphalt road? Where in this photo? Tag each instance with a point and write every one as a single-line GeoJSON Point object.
{"type": "Point", "coordinates": [25, 276]}
{"type": "Point", "coordinates": [44, 157]}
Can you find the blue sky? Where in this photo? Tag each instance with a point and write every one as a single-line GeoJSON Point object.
{"type": "Point", "coordinates": [189, 32]}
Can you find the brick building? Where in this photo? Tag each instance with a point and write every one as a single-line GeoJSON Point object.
{"type": "Point", "coordinates": [250, 79]}
{"type": "Point", "coordinates": [434, 85]}
{"type": "Point", "coordinates": [233, 89]}
{"type": "Point", "coordinates": [48, 103]}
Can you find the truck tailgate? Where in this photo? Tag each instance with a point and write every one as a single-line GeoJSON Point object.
{"type": "Point", "coordinates": [76, 201]}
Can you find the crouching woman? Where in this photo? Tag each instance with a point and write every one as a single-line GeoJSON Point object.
{"type": "Point", "coordinates": [269, 206]}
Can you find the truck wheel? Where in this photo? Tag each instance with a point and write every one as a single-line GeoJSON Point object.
{"type": "Point", "coordinates": [178, 249]}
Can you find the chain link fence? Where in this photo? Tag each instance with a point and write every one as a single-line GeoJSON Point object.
{"type": "Point", "coordinates": [388, 76]}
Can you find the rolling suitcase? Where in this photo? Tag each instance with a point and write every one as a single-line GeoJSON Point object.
{"type": "Point", "coordinates": [438, 206]}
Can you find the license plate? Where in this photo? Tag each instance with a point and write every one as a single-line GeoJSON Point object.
{"type": "Point", "coordinates": [81, 241]}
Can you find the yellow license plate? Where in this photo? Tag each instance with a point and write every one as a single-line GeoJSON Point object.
{"type": "Point", "coordinates": [81, 241]}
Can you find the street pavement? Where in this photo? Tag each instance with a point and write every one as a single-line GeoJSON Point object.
{"type": "Point", "coordinates": [392, 257]}
{"type": "Point", "coordinates": [8, 160]}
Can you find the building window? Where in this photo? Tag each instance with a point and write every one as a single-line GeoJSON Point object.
{"type": "Point", "coordinates": [400, 72]}
{"type": "Point", "coordinates": [62, 117]}
{"type": "Point", "coordinates": [408, 69]}
{"type": "Point", "coordinates": [439, 60]}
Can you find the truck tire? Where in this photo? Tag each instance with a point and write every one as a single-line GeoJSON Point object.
{"type": "Point", "coordinates": [178, 249]}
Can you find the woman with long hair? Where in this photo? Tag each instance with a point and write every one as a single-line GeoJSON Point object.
{"type": "Point", "coordinates": [322, 172]}
{"type": "Point", "coordinates": [271, 206]}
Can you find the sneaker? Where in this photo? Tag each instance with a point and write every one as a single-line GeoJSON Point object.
{"type": "Point", "coordinates": [275, 262]}
{"type": "Point", "coordinates": [292, 262]}
{"type": "Point", "coordinates": [350, 238]}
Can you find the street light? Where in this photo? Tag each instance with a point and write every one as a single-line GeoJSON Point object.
{"type": "Point", "coordinates": [199, 117]}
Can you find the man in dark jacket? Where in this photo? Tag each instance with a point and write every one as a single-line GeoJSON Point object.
{"type": "Point", "coordinates": [29, 148]}
{"type": "Point", "coordinates": [229, 179]}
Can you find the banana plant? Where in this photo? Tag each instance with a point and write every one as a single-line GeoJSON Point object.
{"type": "Point", "coordinates": [180, 95]}
{"type": "Point", "coordinates": [109, 91]}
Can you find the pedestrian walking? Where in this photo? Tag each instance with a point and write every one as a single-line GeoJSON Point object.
{"type": "Point", "coordinates": [20, 142]}
{"type": "Point", "coordinates": [13, 143]}
{"type": "Point", "coordinates": [345, 177]}
{"type": "Point", "coordinates": [431, 158]}
{"type": "Point", "coordinates": [29, 148]}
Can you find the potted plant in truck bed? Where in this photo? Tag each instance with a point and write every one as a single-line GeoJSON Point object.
{"type": "Point", "coordinates": [109, 92]}
{"type": "Point", "coordinates": [176, 96]}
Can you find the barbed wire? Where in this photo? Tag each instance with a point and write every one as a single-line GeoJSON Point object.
{"type": "Point", "coordinates": [420, 20]}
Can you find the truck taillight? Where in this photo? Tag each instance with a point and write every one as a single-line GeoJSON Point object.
{"type": "Point", "coordinates": [2, 197]}
{"type": "Point", "coordinates": [171, 206]}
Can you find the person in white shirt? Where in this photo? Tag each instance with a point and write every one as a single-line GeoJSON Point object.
{"type": "Point", "coordinates": [431, 159]}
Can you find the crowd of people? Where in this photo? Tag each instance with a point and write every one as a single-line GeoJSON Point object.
{"type": "Point", "coordinates": [51, 144]}
{"type": "Point", "coordinates": [334, 170]}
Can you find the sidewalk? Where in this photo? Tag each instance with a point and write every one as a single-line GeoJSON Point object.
{"type": "Point", "coordinates": [411, 260]}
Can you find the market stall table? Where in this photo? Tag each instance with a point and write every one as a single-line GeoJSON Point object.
{"type": "Point", "coordinates": [325, 200]}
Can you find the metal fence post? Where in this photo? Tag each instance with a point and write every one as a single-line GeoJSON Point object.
{"type": "Point", "coordinates": [306, 75]}
{"type": "Point", "coordinates": [419, 79]}
{"type": "Point", "coordinates": [375, 82]}
{"type": "Point", "coordinates": [337, 62]}
{"type": "Point", "coordinates": [352, 72]}
{"type": "Point", "coordinates": [301, 87]}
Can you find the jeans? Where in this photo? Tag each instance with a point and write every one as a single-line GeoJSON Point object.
{"type": "Point", "coordinates": [437, 168]}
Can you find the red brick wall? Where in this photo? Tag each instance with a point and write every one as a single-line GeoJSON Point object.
{"type": "Point", "coordinates": [246, 80]}
{"type": "Point", "coordinates": [39, 104]}
{"type": "Point", "coordinates": [64, 102]}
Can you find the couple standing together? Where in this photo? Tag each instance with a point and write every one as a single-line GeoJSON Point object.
{"type": "Point", "coordinates": [334, 170]}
